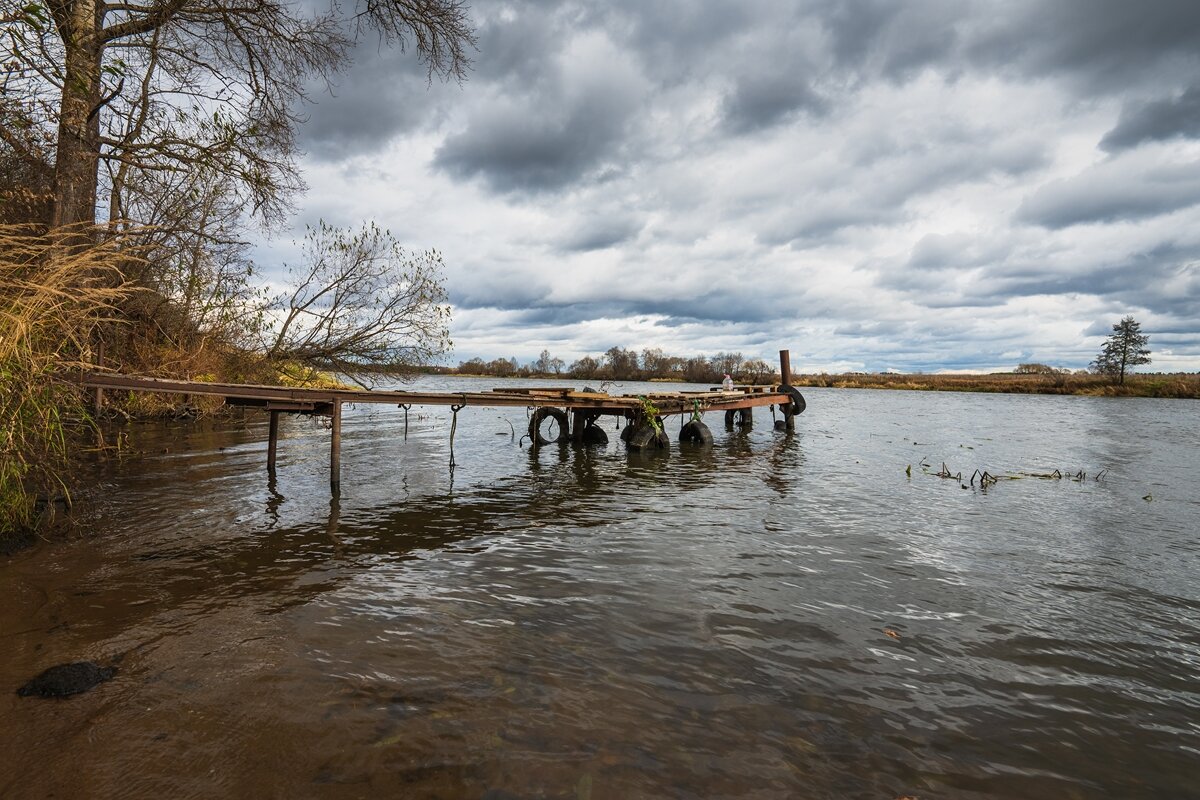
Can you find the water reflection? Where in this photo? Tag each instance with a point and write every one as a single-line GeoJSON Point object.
{"type": "Point", "coordinates": [274, 500]}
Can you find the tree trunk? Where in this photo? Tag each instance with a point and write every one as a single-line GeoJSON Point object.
{"type": "Point", "coordinates": [77, 159]}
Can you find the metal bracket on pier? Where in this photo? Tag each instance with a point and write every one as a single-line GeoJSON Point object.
{"type": "Point", "coordinates": [406, 407]}
{"type": "Point", "coordinates": [453, 427]}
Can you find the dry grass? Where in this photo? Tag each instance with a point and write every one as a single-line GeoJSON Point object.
{"type": "Point", "coordinates": [54, 291]}
{"type": "Point", "coordinates": [1177, 385]}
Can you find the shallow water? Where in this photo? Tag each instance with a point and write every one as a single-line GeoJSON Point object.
{"type": "Point", "coordinates": [590, 623]}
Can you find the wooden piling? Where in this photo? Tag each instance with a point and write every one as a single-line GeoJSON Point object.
{"type": "Point", "coordinates": [272, 438]}
{"type": "Point", "coordinates": [577, 425]}
{"type": "Point", "coordinates": [785, 378]}
{"type": "Point", "coordinates": [335, 450]}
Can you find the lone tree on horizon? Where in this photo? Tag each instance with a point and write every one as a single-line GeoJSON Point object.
{"type": "Point", "coordinates": [1124, 349]}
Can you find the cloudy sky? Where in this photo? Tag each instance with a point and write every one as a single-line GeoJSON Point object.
{"type": "Point", "coordinates": [920, 185]}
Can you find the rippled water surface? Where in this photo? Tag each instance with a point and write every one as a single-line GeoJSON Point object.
{"type": "Point", "coordinates": [779, 616]}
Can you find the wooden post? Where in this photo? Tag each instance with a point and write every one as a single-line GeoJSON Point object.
{"type": "Point", "coordinates": [99, 402]}
{"type": "Point", "coordinates": [272, 438]}
{"type": "Point", "coordinates": [335, 450]}
{"type": "Point", "coordinates": [785, 378]}
{"type": "Point", "coordinates": [577, 424]}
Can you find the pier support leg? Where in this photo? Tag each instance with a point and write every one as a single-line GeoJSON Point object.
{"type": "Point", "coordinates": [335, 450]}
{"type": "Point", "coordinates": [785, 378]}
{"type": "Point", "coordinates": [272, 439]}
{"type": "Point", "coordinates": [745, 418]}
{"type": "Point", "coordinates": [577, 423]}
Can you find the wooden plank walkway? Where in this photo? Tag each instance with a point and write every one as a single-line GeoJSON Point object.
{"type": "Point", "coordinates": [575, 410]}
{"type": "Point", "coordinates": [295, 400]}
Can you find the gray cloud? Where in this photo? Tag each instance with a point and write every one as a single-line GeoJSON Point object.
{"type": "Point", "coordinates": [764, 100]}
{"type": "Point", "coordinates": [600, 233]}
{"type": "Point", "coordinates": [890, 176]}
{"type": "Point", "coordinates": [1156, 120]}
{"type": "Point", "coordinates": [545, 139]}
{"type": "Point", "coordinates": [877, 37]}
{"type": "Point", "coordinates": [383, 93]}
{"type": "Point", "coordinates": [1114, 191]}
{"type": "Point", "coordinates": [1105, 46]}
{"type": "Point", "coordinates": [832, 172]}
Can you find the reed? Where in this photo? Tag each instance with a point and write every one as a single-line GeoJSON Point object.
{"type": "Point", "coordinates": [54, 291]}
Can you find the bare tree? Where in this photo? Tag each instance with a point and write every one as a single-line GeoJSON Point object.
{"type": "Point", "coordinates": [756, 370]}
{"type": "Point", "coordinates": [362, 302]}
{"type": "Point", "coordinates": [165, 85]}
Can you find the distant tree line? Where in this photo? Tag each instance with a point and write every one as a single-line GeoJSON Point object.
{"type": "Point", "coordinates": [618, 364]}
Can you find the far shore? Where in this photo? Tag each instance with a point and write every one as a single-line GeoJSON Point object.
{"type": "Point", "coordinates": [1179, 385]}
{"type": "Point", "coordinates": [1174, 385]}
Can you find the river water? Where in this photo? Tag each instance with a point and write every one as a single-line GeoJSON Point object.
{"type": "Point", "coordinates": [779, 616]}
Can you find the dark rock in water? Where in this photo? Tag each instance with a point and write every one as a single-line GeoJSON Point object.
{"type": "Point", "coordinates": [67, 679]}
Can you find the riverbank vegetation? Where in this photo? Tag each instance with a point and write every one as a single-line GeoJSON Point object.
{"type": "Point", "coordinates": [52, 297]}
{"type": "Point", "coordinates": [142, 150]}
{"type": "Point", "coordinates": [1176, 385]}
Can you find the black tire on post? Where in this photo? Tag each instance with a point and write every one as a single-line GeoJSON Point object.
{"type": "Point", "coordinates": [541, 414]}
{"type": "Point", "coordinates": [594, 434]}
{"type": "Point", "coordinates": [697, 433]}
{"type": "Point", "coordinates": [627, 431]}
{"type": "Point", "coordinates": [798, 403]}
{"type": "Point", "coordinates": [729, 418]}
{"type": "Point", "coordinates": [645, 437]}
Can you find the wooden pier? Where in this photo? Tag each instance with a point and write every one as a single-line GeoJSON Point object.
{"type": "Point", "coordinates": [560, 414]}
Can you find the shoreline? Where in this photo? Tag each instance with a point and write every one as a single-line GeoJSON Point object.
{"type": "Point", "coordinates": [1179, 386]}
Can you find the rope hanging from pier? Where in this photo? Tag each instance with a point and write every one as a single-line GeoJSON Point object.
{"type": "Point", "coordinates": [453, 427]}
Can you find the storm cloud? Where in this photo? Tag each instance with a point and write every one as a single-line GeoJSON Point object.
{"type": "Point", "coordinates": [936, 184]}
